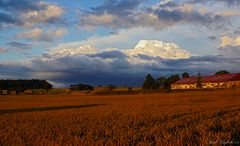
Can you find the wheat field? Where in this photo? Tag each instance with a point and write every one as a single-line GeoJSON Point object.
{"type": "Point", "coordinates": [186, 118]}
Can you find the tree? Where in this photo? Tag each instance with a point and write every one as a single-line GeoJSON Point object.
{"type": "Point", "coordinates": [79, 87]}
{"type": "Point", "coordinates": [21, 85]}
{"type": "Point", "coordinates": [185, 75]}
{"type": "Point", "coordinates": [199, 80]}
{"type": "Point", "coordinates": [149, 83]}
{"type": "Point", "coordinates": [222, 72]}
{"type": "Point", "coordinates": [161, 81]}
{"type": "Point", "coordinates": [111, 87]}
{"type": "Point", "coordinates": [170, 80]}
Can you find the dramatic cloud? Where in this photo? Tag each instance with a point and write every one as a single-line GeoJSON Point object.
{"type": "Point", "coordinates": [28, 13]}
{"type": "Point", "coordinates": [113, 67]}
{"type": "Point", "coordinates": [66, 50]}
{"type": "Point", "coordinates": [24, 5]}
{"type": "Point", "coordinates": [90, 65]}
{"type": "Point", "coordinates": [18, 46]}
{"type": "Point", "coordinates": [118, 6]}
{"type": "Point", "coordinates": [87, 64]}
{"type": "Point", "coordinates": [226, 41]}
{"type": "Point", "coordinates": [39, 34]}
{"type": "Point", "coordinates": [50, 13]}
{"type": "Point", "coordinates": [230, 46]}
{"type": "Point", "coordinates": [227, 2]}
{"type": "Point", "coordinates": [111, 13]}
{"type": "Point", "coordinates": [14, 70]}
{"type": "Point", "coordinates": [230, 51]}
{"type": "Point", "coordinates": [204, 64]}
{"type": "Point", "coordinates": [160, 49]}
{"type": "Point", "coordinates": [153, 48]}
{"type": "Point", "coordinates": [122, 47]}
{"type": "Point", "coordinates": [124, 67]}
{"type": "Point", "coordinates": [177, 15]}
{"type": "Point", "coordinates": [122, 13]}
{"type": "Point", "coordinates": [7, 19]}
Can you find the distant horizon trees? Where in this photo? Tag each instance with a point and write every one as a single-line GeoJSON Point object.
{"type": "Point", "coordinates": [80, 87]}
{"type": "Point", "coordinates": [160, 83]}
{"type": "Point", "coordinates": [149, 83]}
{"type": "Point", "coordinates": [185, 75]}
{"type": "Point", "coordinates": [222, 72]}
{"type": "Point", "coordinates": [22, 85]}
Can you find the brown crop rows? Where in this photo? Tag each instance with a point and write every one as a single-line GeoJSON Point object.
{"type": "Point", "coordinates": [188, 118]}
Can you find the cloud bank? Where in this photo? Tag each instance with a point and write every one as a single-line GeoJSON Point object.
{"type": "Point", "coordinates": [87, 64]}
{"type": "Point", "coordinates": [103, 66]}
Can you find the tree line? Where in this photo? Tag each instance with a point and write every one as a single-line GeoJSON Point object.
{"type": "Point", "coordinates": [79, 87]}
{"type": "Point", "coordinates": [159, 83]}
{"type": "Point", "coordinates": [150, 83]}
{"type": "Point", "coordinates": [22, 85]}
{"type": "Point", "coordinates": [165, 82]}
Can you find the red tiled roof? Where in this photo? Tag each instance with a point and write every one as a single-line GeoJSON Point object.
{"type": "Point", "coordinates": [212, 79]}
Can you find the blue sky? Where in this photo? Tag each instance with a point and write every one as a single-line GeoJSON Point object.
{"type": "Point", "coordinates": [99, 41]}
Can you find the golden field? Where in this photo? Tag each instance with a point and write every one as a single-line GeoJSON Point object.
{"type": "Point", "coordinates": [180, 118]}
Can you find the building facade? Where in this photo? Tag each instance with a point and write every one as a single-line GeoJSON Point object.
{"type": "Point", "coordinates": [215, 81]}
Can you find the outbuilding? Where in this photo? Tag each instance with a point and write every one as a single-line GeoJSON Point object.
{"type": "Point", "coordinates": [4, 92]}
{"type": "Point", "coordinates": [215, 81]}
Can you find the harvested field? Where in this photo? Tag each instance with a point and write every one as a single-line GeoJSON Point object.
{"type": "Point", "coordinates": [186, 118]}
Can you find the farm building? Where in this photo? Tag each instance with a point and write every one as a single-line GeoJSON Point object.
{"type": "Point", "coordinates": [215, 81]}
{"type": "Point", "coordinates": [4, 92]}
{"type": "Point", "coordinates": [13, 92]}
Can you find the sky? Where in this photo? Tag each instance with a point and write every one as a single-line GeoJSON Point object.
{"type": "Point", "coordinates": [118, 42]}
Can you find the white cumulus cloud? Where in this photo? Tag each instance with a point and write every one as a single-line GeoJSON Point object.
{"type": "Point", "coordinates": [155, 48]}
{"type": "Point", "coordinates": [226, 40]}
{"type": "Point", "coordinates": [151, 48]}
{"type": "Point", "coordinates": [69, 51]}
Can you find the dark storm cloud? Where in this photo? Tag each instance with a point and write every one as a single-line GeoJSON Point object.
{"type": "Point", "coordinates": [118, 7]}
{"type": "Point", "coordinates": [227, 2]}
{"type": "Point", "coordinates": [110, 69]}
{"type": "Point", "coordinates": [9, 9]}
{"type": "Point", "coordinates": [16, 5]}
{"type": "Point", "coordinates": [212, 37]}
{"type": "Point", "coordinates": [193, 60]}
{"type": "Point", "coordinates": [206, 64]}
{"type": "Point", "coordinates": [184, 16]}
{"type": "Point", "coordinates": [230, 51]}
{"type": "Point", "coordinates": [236, 32]}
{"type": "Point", "coordinates": [94, 69]}
{"type": "Point", "coordinates": [14, 71]}
{"type": "Point", "coordinates": [231, 2]}
{"type": "Point", "coordinates": [6, 19]}
{"type": "Point", "coordinates": [110, 54]}
{"type": "Point", "coordinates": [19, 46]}
{"type": "Point", "coordinates": [86, 63]}
{"type": "Point", "coordinates": [146, 57]}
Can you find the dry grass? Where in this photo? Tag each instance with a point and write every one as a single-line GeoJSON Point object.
{"type": "Point", "coordinates": [189, 118]}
